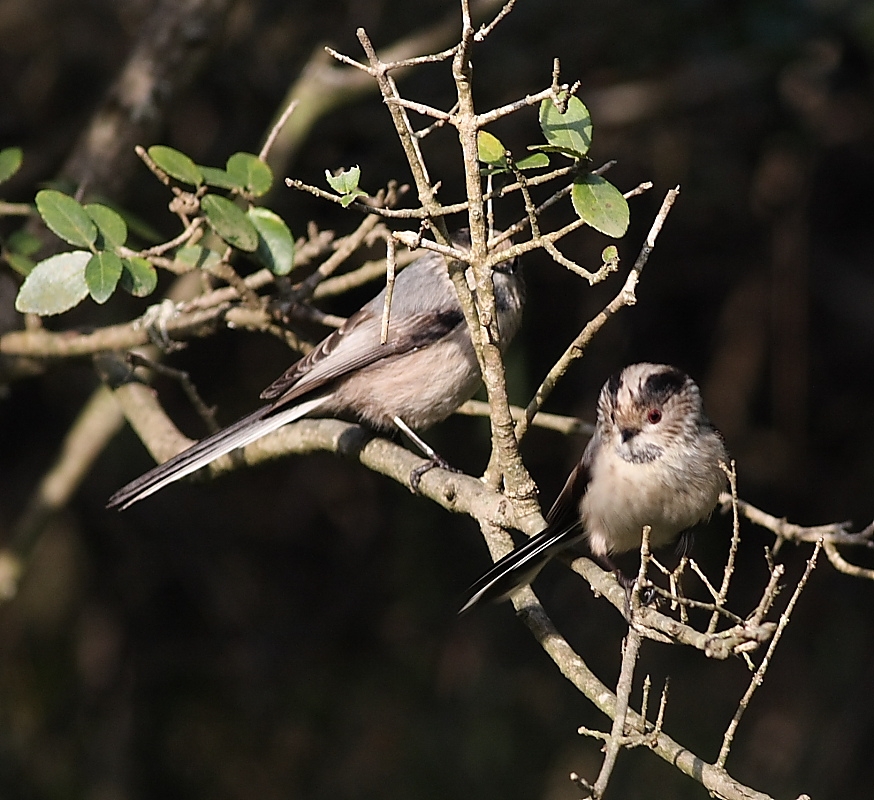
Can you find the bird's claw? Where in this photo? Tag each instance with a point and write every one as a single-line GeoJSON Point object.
{"type": "Point", "coordinates": [435, 461]}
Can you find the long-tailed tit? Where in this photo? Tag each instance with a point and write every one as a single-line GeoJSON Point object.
{"type": "Point", "coordinates": [654, 460]}
{"type": "Point", "coordinates": [424, 371]}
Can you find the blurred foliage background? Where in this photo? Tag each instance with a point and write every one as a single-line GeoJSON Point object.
{"type": "Point", "coordinates": [291, 632]}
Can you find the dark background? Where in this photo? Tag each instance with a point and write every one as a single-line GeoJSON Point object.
{"type": "Point", "coordinates": [291, 632]}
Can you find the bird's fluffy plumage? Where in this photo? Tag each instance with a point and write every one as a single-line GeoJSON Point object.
{"type": "Point", "coordinates": [424, 371]}
{"type": "Point", "coordinates": [654, 460]}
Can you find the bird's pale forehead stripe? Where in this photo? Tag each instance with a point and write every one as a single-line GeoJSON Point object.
{"type": "Point", "coordinates": [650, 387]}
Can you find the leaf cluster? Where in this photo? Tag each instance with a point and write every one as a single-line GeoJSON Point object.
{"type": "Point", "coordinates": [103, 260]}
{"type": "Point", "coordinates": [568, 132]}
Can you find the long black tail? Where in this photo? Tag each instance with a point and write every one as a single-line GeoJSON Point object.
{"type": "Point", "coordinates": [520, 566]}
{"type": "Point", "coordinates": [245, 431]}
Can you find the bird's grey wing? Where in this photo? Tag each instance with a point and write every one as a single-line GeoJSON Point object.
{"type": "Point", "coordinates": [356, 345]}
{"type": "Point", "coordinates": [566, 505]}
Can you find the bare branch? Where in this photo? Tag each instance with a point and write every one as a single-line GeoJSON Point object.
{"type": "Point", "coordinates": [485, 30]}
{"type": "Point", "coordinates": [390, 265]}
{"type": "Point", "coordinates": [575, 669]}
{"type": "Point", "coordinates": [98, 421]}
{"type": "Point", "coordinates": [833, 532]}
{"type": "Point", "coordinates": [625, 297]}
{"type": "Point", "coordinates": [759, 676]}
{"type": "Point", "coordinates": [630, 652]}
{"type": "Point", "coordinates": [731, 474]}
{"type": "Point", "coordinates": [276, 129]}
{"type": "Point", "coordinates": [567, 425]}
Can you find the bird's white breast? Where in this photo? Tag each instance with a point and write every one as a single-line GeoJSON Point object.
{"type": "Point", "coordinates": [623, 496]}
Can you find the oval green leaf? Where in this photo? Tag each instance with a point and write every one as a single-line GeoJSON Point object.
{"type": "Point", "coordinates": [139, 277]}
{"type": "Point", "coordinates": [54, 285]}
{"type": "Point", "coordinates": [600, 204]}
{"type": "Point", "coordinates": [175, 164]}
{"type": "Point", "coordinates": [230, 222]}
{"type": "Point", "coordinates": [193, 257]}
{"type": "Point", "coordinates": [10, 162]}
{"type": "Point", "coordinates": [213, 176]}
{"type": "Point", "coordinates": [275, 242]}
{"type": "Point", "coordinates": [570, 132]}
{"type": "Point", "coordinates": [534, 161]}
{"type": "Point", "coordinates": [251, 173]}
{"type": "Point", "coordinates": [23, 242]}
{"type": "Point", "coordinates": [21, 264]}
{"type": "Point", "coordinates": [110, 223]}
{"type": "Point", "coordinates": [66, 218]}
{"type": "Point", "coordinates": [490, 150]}
{"type": "Point", "coordinates": [102, 273]}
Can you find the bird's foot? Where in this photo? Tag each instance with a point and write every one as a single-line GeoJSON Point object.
{"type": "Point", "coordinates": [433, 461]}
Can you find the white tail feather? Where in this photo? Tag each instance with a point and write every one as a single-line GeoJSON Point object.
{"type": "Point", "coordinates": [208, 450]}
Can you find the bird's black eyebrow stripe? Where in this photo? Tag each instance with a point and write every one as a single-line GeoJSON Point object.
{"type": "Point", "coordinates": [662, 385]}
{"type": "Point", "coordinates": [612, 387]}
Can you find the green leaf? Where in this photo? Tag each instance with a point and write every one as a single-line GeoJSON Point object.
{"type": "Point", "coordinates": [139, 277]}
{"type": "Point", "coordinates": [551, 148]}
{"type": "Point", "coordinates": [218, 178]}
{"type": "Point", "coordinates": [490, 150]}
{"type": "Point", "coordinates": [193, 256]}
{"type": "Point", "coordinates": [10, 162]}
{"type": "Point", "coordinates": [101, 274]}
{"type": "Point", "coordinates": [230, 222]}
{"type": "Point", "coordinates": [275, 242]}
{"type": "Point", "coordinates": [534, 161]}
{"type": "Point", "coordinates": [54, 285]}
{"type": "Point", "coordinates": [600, 204]}
{"type": "Point", "coordinates": [346, 199]}
{"type": "Point", "coordinates": [66, 218]}
{"type": "Point", "coordinates": [110, 223]}
{"type": "Point", "coordinates": [21, 264]}
{"type": "Point", "coordinates": [570, 132]}
{"type": "Point", "coordinates": [345, 181]}
{"type": "Point", "coordinates": [175, 164]}
{"type": "Point", "coordinates": [610, 255]}
{"type": "Point", "coordinates": [23, 242]}
{"type": "Point", "coordinates": [251, 173]}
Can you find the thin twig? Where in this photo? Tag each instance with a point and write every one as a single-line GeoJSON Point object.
{"type": "Point", "coordinates": [421, 108]}
{"type": "Point", "coordinates": [769, 594]}
{"type": "Point", "coordinates": [276, 129]}
{"type": "Point", "coordinates": [759, 676]}
{"type": "Point", "coordinates": [16, 209]}
{"type": "Point", "coordinates": [841, 565]}
{"type": "Point", "coordinates": [630, 652]}
{"type": "Point", "coordinates": [160, 249]}
{"type": "Point", "coordinates": [730, 471]}
{"type": "Point", "coordinates": [367, 272]}
{"type": "Point", "coordinates": [485, 30]}
{"type": "Point", "coordinates": [575, 669]}
{"type": "Point", "coordinates": [206, 413]}
{"type": "Point", "coordinates": [625, 297]}
{"type": "Point", "coordinates": [569, 426]}
{"type": "Point", "coordinates": [390, 266]}
{"type": "Point", "coordinates": [346, 247]}
{"type": "Point", "coordinates": [224, 270]}
{"type": "Point", "coordinates": [834, 532]}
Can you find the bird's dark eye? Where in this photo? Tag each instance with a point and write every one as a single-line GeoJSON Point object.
{"type": "Point", "coordinates": [654, 415]}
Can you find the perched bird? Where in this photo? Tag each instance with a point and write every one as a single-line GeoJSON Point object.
{"type": "Point", "coordinates": [424, 371]}
{"type": "Point", "coordinates": [654, 459]}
